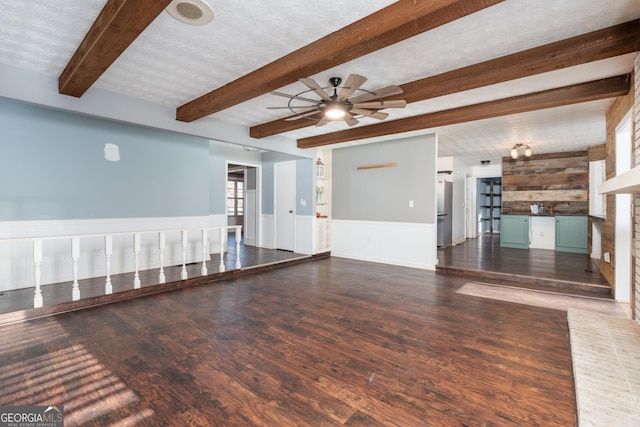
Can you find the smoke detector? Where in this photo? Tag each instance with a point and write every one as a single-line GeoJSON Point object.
{"type": "Point", "coordinates": [192, 12]}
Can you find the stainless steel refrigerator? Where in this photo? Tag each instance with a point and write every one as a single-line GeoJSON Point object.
{"type": "Point", "coordinates": [445, 206]}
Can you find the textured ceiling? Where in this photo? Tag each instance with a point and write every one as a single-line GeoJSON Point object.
{"type": "Point", "coordinates": [172, 63]}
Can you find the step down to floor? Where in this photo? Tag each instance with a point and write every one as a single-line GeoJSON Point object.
{"type": "Point", "coordinates": [22, 315]}
{"type": "Point", "coordinates": [529, 282]}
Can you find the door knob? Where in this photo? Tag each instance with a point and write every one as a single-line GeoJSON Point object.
{"type": "Point", "coordinates": [291, 211]}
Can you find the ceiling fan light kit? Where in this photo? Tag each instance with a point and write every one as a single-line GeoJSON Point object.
{"type": "Point", "coordinates": [334, 110]}
{"type": "Point", "coordinates": [338, 105]}
{"type": "Point", "coordinates": [192, 12]}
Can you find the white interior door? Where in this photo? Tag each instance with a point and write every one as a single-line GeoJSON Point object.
{"type": "Point", "coordinates": [285, 202]}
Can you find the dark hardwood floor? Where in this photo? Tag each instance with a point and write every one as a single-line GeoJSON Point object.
{"type": "Point", "coordinates": [324, 343]}
{"type": "Point", "coordinates": [483, 258]}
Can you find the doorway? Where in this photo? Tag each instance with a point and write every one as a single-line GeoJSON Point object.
{"type": "Point", "coordinates": [243, 201]}
{"type": "Point", "coordinates": [284, 209]}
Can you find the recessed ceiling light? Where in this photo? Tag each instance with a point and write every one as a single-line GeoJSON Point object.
{"type": "Point", "coordinates": [192, 12]}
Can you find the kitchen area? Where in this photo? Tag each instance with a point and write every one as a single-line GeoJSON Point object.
{"type": "Point", "coordinates": [536, 224]}
{"type": "Point", "coordinates": [545, 203]}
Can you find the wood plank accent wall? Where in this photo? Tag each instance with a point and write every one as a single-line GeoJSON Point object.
{"type": "Point", "coordinates": [597, 152]}
{"type": "Point", "coordinates": [560, 180]}
{"type": "Point", "coordinates": [616, 113]}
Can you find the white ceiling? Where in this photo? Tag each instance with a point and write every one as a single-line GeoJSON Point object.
{"type": "Point", "coordinates": [172, 63]}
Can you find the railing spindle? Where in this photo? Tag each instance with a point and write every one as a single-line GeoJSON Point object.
{"type": "Point", "coordinates": [137, 242]}
{"type": "Point", "coordinates": [108, 251]}
{"type": "Point", "coordinates": [205, 254]}
{"type": "Point", "coordinates": [75, 255]}
{"type": "Point", "coordinates": [37, 272]}
{"type": "Point", "coordinates": [184, 254]}
{"type": "Point", "coordinates": [136, 260]}
{"type": "Point", "coordinates": [221, 268]}
{"type": "Point", "coordinates": [161, 277]}
{"type": "Point", "coordinates": [238, 238]}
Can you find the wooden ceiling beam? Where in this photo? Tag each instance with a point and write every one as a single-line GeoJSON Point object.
{"type": "Point", "coordinates": [597, 45]}
{"type": "Point", "coordinates": [399, 21]}
{"type": "Point", "coordinates": [574, 94]}
{"type": "Point", "coordinates": [120, 22]}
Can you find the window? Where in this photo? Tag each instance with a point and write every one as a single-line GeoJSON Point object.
{"type": "Point", "coordinates": [235, 198]}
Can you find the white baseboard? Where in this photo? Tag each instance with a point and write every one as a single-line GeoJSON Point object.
{"type": "Point", "coordinates": [459, 241]}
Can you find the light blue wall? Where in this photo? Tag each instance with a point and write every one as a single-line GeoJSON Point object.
{"type": "Point", "coordinates": [53, 167]}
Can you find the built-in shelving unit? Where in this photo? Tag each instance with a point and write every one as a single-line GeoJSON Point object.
{"type": "Point", "coordinates": [490, 204]}
{"type": "Point", "coordinates": [323, 200]}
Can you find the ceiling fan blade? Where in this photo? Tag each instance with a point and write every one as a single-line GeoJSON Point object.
{"type": "Point", "coordinates": [380, 93]}
{"type": "Point", "coordinates": [375, 114]}
{"type": "Point", "coordinates": [295, 107]}
{"type": "Point", "coordinates": [323, 121]}
{"type": "Point", "coordinates": [392, 103]}
{"type": "Point", "coordinates": [311, 84]}
{"type": "Point", "coordinates": [354, 81]}
{"type": "Point", "coordinates": [350, 119]}
{"type": "Point", "coordinates": [300, 98]}
{"type": "Point", "coordinates": [301, 115]}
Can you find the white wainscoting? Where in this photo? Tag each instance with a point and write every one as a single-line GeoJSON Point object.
{"type": "Point", "coordinates": [217, 220]}
{"type": "Point", "coordinates": [267, 228]}
{"type": "Point", "coordinates": [16, 258]}
{"type": "Point", "coordinates": [214, 241]}
{"type": "Point", "coordinates": [305, 233]}
{"type": "Point", "coordinates": [396, 243]}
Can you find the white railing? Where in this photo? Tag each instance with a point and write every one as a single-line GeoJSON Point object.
{"type": "Point", "coordinates": [75, 240]}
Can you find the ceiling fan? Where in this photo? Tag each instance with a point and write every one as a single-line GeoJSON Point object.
{"type": "Point", "coordinates": [335, 104]}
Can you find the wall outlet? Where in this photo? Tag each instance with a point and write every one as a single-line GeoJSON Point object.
{"type": "Point", "coordinates": [410, 203]}
{"type": "Point", "coordinates": [607, 257]}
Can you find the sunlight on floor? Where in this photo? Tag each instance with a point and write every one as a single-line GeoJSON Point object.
{"type": "Point", "coordinates": [55, 371]}
{"type": "Point", "coordinates": [21, 335]}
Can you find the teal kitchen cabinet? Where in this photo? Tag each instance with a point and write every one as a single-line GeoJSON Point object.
{"type": "Point", "coordinates": [571, 234]}
{"type": "Point", "coordinates": [514, 231]}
